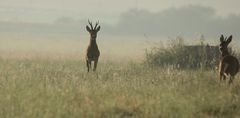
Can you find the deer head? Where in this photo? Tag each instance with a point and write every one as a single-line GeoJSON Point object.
{"type": "Point", "coordinates": [93, 30]}
{"type": "Point", "coordinates": [223, 47]}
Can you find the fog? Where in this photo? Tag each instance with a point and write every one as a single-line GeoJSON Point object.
{"type": "Point", "coordinates": [187, 21]}
{"type": "Point", "coordinates": [127, 38]}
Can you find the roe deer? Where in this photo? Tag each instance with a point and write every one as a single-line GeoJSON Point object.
{"type": "Point", "coordinates": [92, 50]}
{"type": "Point", "coordinates": [229, 65]}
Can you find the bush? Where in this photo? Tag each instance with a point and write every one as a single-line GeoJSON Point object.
{"type": "Point", "coordinates": [180, 55]}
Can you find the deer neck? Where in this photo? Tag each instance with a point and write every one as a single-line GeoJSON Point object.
{"type": "Point", "coordinates": [93, 42]}
{"type": "Point", "coordinates": [224, 53]}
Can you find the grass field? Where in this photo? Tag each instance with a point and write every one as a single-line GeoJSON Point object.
{"type": "Point", "coordinates": [62, 88]}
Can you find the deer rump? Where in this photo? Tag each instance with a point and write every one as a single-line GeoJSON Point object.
{"type": "Point", "coordinates": [229, 65]}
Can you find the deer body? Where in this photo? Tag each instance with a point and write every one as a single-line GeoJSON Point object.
{"type": "Point", "coordinates": [229, 65]}
{"type": "Point", "coordinates": [93, 52]}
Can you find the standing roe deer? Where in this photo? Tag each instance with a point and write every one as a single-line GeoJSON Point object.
{"type": "Point", "coordinates": [229, 65]}
{"type": "Point", "coordinates": [92, 50]}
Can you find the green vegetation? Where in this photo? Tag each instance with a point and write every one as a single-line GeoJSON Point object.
{"type": "Point", "coordinates": [45, 88]}
{"type": "Point", "coordinates": [170, 83]}
{"type": "Point", "coordinates": [180, 55]}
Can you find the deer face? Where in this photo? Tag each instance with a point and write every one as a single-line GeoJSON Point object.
{"type": "Point", "coordinates": [93, 30]}
{"type": "Point", "coordinates": [223, 47]}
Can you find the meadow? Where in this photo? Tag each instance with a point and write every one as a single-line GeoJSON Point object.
{"type": "Point", "coordinates": [43, 88]}
{"type": "Point", "coordinates": [62, 88]}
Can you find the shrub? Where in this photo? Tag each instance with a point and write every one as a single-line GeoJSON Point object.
{"type": "Point", "coordinates": [180, 55]}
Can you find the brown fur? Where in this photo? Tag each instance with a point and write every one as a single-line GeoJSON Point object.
{"type": "Point", "coordinates": [229, 65]}
{"type": "Point", "coordinates": [93, 52]}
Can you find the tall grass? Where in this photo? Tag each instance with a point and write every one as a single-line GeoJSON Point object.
{"type": "Point", "coordinates": [43, 88]}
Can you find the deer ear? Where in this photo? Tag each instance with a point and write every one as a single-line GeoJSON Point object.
{"type": "Point", "coordinates": [98, 28]}
{"type": "Point", "coordinates": [229, 39]}
{"type": "Point", "coordinates": [221, 38]}
{"type": "Point", "coordinates": [88, 29]}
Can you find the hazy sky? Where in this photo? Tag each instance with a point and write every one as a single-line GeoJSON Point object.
{"type": "Point", "coordinates": [142, 18]}
{"type": "Point", "coordinates": [122, 21]}
{"type": "Point", "coordinates": [104, 10]}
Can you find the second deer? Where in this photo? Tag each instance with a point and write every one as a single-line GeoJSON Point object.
{"type": "Point", "coordinates": [229, 65]}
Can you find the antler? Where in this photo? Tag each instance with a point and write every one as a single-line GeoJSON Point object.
{"type": "Point", "coordinates": [90, 23]}
{"type": "Point", "coordinates": [96, 25]}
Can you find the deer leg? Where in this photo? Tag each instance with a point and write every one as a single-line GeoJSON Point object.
{"type": "Point", "coordinates": [224, 77]}
{"type": "Point", "coordinates": [87, 64]}
{"type": "Point", "coordinates": [230, 80]}
{"type": "Point", "coordinates": [221, 76]}
{"type": "Point", "coordinates": [90, 64]}
{"type": "Point", "coordinates": [95, 65]}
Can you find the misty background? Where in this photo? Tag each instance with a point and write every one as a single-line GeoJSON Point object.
{"type": "Point", "coordinates": [127, 26]}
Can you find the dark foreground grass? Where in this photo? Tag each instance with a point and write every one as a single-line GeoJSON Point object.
{"type": "Point", "coordinates": [40, 88]}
